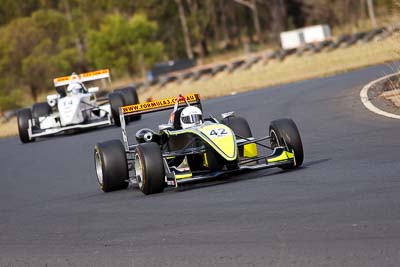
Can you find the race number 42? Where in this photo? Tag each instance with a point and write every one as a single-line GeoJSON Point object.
{"type": "Point", "coordinates": [218, 132]}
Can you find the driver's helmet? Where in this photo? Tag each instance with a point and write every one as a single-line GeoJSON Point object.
{"type": "Point", "coordinates": [74, 88]}
{"type": "Point", "coordinates": [191, 116]}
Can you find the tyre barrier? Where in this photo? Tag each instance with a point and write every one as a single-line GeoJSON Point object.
{"type": "Point", "coordinates": [218, 68]}
{"type": "Point", "coordinates": [250, 62]}
{"type": "Point", "coordinates": [268, 56]}
{"type": "Point", "coordinates": [306, 48]}
{"type": "Point", "coordinates": [371, 34]}
{"type": "Point", "coordinates": [184, 76]}
{"type": "Point", "coordinates": [320, 46]}
{"type": "Point", "coordinates": [282, 54]}
{"type": "Point", "coordinates": [338, 42]}
{"type": "Point", "coordinates": [201, 72]}
{"type": "Point", "coordinates": [345, 40]}
{"type": "Point", "coordinates": [164, 80]}
{"type": "Point", "coordinates": [355, 38]}
{"type": "Point", "coordinates": [235, 65]}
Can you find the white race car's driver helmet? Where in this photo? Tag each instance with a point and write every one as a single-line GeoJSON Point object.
{"type": "Point", "coordinates": [191, 116]}
{"type": "Point", "coordinates": [74, 88]}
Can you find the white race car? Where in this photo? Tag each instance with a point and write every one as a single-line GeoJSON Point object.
{"type": "Point", "coordinates": [74, 107]}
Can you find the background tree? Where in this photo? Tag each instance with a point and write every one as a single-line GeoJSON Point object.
{"type": "Point", "coordinates": [185, 29]}
{"type": "Point", "coordinates": [252, 4]}
{"type": "Point", "coordinates": [125, 45]}
{"type": "Point", "coordinates": [371, 13]}
{"type": "Point", "coordinates": [33, 50]}
{"type": "Point", "coordinates": [41, 39]}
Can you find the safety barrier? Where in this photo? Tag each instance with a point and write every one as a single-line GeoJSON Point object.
{"type": "Point", "coordinates": [264, 57]}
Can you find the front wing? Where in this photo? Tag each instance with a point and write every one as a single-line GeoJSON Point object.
{"type": "Point", "coordinates": [280, 157]}
{"type": "Point", "coordinates": [52, 131]}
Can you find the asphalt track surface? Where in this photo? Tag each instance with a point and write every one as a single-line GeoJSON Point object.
{"type": "Point", "coordinates": [342, 208]}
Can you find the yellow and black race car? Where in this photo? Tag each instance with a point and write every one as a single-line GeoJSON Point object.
{"type": "Point", "coordinates": [191, 148]}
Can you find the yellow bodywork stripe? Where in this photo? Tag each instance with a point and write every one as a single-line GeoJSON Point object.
{"type": "Point", "coordinates": [183, 176]}
{"type": "Point", "coordinates": [282, 157]}
{"type": "Point", "coordinates": [250, 150]}
{"type": "Point", "coordinates": [226, 147]}
{"type": "Point", "coordinates": [225, 142]}
{"type": "Point", "coordinates": [205, 160]}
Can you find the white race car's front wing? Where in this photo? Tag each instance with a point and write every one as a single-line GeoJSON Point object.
{"type": "Point", "coordinates": [51, 131]}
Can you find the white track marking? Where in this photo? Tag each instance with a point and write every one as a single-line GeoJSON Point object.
{"type": "Point", "coordinates": [368, 104]}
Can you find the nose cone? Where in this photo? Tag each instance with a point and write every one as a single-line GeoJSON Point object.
{"type": "Point", "coordinates": [69, 110]}
{"type": "Point", "coordinates": [222, 138]}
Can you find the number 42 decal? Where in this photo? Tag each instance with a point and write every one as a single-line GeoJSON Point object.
{"type": "Point", "coordinates": [218, 132]}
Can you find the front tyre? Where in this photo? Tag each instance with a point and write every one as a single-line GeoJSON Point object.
{"type": "Point", "coordinates": [40, 110]}
{"type": "Point", "coordinates": [284, 132]}
{"type": "Point", "coordinates": [23, 117]}
{"type": "Point", "coordinates": [111, 165]}
{"type": "Point", "coordinates": [130, 97]}
{"type": "Point", "coordinates": [239, 126]}
{"type": "Point", "coordinates": [149, 168]}
{"type": "Point", "coordinates": [116, 101]}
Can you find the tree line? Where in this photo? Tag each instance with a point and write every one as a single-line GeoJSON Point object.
{"type": "Point", "coordinates": [43, 39]}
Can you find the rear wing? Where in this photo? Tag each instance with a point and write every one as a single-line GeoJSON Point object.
{"type": "Point", "coordinates": [158, 105]}
{"type": "Point", "coordinates": [154, 106]}
{"type": "Point", "coordinates": [83, 77]}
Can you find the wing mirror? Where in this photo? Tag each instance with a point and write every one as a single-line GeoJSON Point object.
{"type": "Point", "coordinates": [228, 114]}
{"type": "Point", "coordinates": [52, 99]}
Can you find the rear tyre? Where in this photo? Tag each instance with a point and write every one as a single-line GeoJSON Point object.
{"type": "Point", "coordinates": [149, 168]}
{"type": "Point", "coordinates": [40, 110]}
{"type": "Point", "coordinates": [23, 117]}
{"type": "Point", "coordinates": [111, 165]}
{"type": "Point", "coordinates": [116, 101]}
{"type": "Point", "coordinates": [284, 131]}
{"type": "Point", "coordinates": [130, 97]}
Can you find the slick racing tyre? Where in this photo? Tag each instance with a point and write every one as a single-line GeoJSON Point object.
{"type": "Point", "coordinates": [23, 117]}
{"type": "Point", "coordinates": [239, 126]}
{"type": "Point", "coordinates": [149, 168]}
{"type": "Point", "coordinates": [284, 132]}
{"type": "Point", "coordinates": [111, 165]}
{"type": "Point", "coordinates": [40, 110]}
{"type": "Point", "coordinates": [130, 97]}
{"type": "Point", "coordinates": [116, 101]}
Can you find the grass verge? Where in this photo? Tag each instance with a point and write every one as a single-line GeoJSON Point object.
{"type": "Point", "coordinates": [8, 128]}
